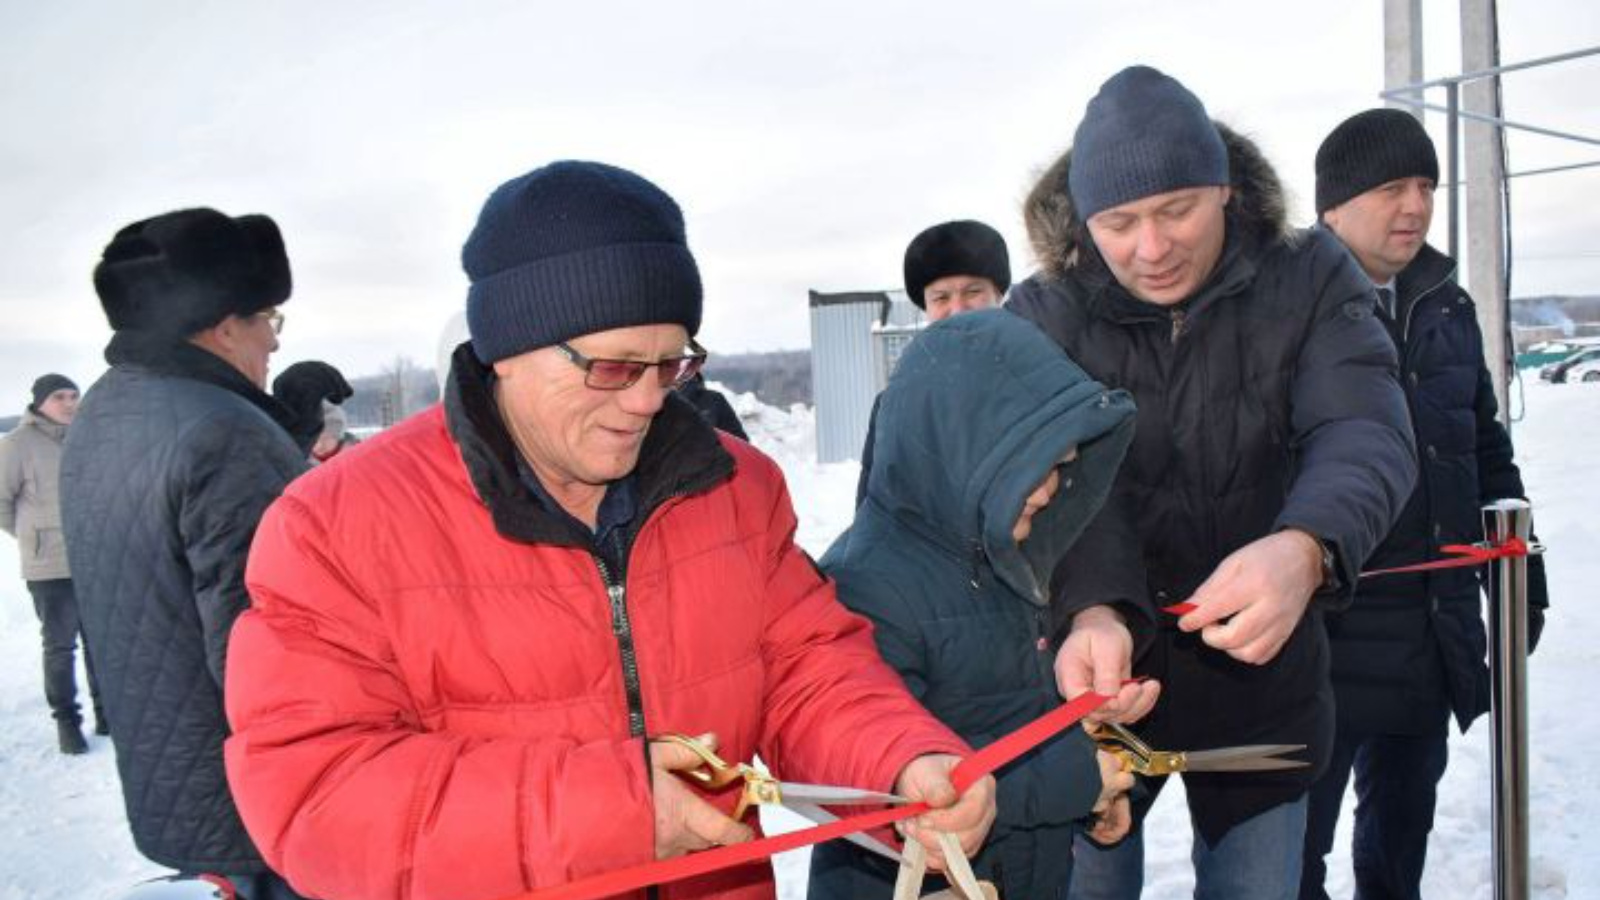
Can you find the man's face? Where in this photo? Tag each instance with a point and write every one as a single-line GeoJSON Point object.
{"type": "Point", "coordinates": [1385, 227]}
{"type": "Point", "coordinates": [1162, 248]}
{"type": "Point", "coordinates": [60, 406]}
{"type": "Point", "coordinates": [258, 341]}
{"type": "Point", "coordinates": [244, 342]}
{"type": "Point", "coordinates": [958, 294]}
{"type": "Point", "coordinates": [571, 433]}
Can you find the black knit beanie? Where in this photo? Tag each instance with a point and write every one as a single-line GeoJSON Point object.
{"type": "Point", "coordinates": [185, 271]}
{"type": "Point", "coordinates": [573, 248]}
{"type": "Point", "coordinates": [46, 385]}
{"type": "Point", "coordinates": [956, 248]}
{"type": "Point", "coordinates": [1143, 134]}
{"type": "Point", "coordinates": [1370, 149]}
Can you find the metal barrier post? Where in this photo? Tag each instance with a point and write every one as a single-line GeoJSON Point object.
{"type": "Point", "coordinates": [1508, 666]}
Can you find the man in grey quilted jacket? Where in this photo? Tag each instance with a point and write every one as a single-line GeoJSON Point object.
{"type": "Point", "coordinates": [175, 454]}
{"type": "Point", "coordinates": [30, 511]}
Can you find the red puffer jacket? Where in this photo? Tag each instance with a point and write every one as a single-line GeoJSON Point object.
{"type": "Point", "coordinates": [435, 696]}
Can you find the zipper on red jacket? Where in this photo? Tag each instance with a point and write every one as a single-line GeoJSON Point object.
{"type": "Point", "coordinates": [622, 629]}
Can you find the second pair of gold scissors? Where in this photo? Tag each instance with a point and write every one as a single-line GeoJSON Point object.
{"type": "Point", "coordinates": [1139, 757]}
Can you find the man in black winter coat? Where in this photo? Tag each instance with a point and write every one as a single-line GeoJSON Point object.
{"type": "Point", "coordinates": [1272, 454]}
{"type": "Point", "coordinates": [173, 457]}
{"type": "Point", "coordinates": [1409, 651]}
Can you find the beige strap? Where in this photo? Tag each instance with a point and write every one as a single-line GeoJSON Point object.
{"type": "Point", "coordinates": [964, 885]}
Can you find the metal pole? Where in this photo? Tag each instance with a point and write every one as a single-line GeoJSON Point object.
{"type": "Point", "coordinates": [1402, 51]}
{"type": "Point", "coordinates": [1483, 160]}
{"type": "Point", "coordinates": [1508, 664]}
{"type": "Point", "coordinates": [1452, 154]}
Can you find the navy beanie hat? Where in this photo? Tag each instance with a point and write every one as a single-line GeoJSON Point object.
{"type": "Point", "coordinates": [46, 385]}
{"type": "Point", "coordinates": [573, 248]}
{"type": "Point", "coordinates": [956, 248]}
{"type": "Point", "coordinates": [185, 271]}
{"type": "Point", "coordinates": [1370, 149]}
{"type": "Point", "coordinates": [1143, 134]}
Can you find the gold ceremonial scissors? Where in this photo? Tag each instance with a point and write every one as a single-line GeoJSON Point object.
{"type": "Point", "coordinates": [760, 788]}
{"type": "Point", "coordinates": [1139, 757]}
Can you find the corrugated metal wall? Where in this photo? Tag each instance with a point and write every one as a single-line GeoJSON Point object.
{"type": "Point", "coordinates": [846, 373]}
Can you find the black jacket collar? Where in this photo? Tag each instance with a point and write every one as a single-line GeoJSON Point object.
{"type": "Point", "coordinates": [1426, 273]}
{"type": "Point", "coordinates": [176, 357]}
{"type": "Point", "coordinates": [681, 455]}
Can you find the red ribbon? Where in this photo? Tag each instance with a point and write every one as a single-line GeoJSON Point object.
{"type": "Point", "coordinates": [969, 770]}
{"type": "Point", "coordinates": [1463, 555]}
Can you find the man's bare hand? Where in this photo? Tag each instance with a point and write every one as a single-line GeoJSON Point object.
{"type": "Point", "coordinates": [1255, 598]}
{"type": "Point", "coordinates": [1112, 823]}
{"type": "Point", "coordinates": [1098, 656]}
{"type": "Point", "coordinates": [927, 778]}
{"type": "Point", "coordinates": [1112, 814]}
{"type": "Point", "coordinates": [684, 822]}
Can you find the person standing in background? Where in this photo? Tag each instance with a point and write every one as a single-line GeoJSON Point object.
{"type": "Point", "coordinates": [1410, 649]}
{"type": "Point", "coordinates": [30, 511]}
{"type": "Point", "coordinates": [949, 268]}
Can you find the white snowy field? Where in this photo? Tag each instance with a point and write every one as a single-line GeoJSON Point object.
{"type": "Point", "coordinates": [63, 836]}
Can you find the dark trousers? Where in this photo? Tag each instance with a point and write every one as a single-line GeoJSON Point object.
{"type": "Point", "coordinates": [1397, 779]}
{"type": "Point", "coordinates": [57, 608]}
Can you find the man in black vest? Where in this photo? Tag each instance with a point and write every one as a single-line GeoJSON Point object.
{"type": "Point", "coordinates": [1409, 651]}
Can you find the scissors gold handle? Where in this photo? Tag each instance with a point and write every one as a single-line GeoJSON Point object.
{"type": "Point", "coordinates": [1136, 755]}
{"type": "Point", "coordinates": [716, 773]}
{"type": "Point", "coordinates": [1139, 757]}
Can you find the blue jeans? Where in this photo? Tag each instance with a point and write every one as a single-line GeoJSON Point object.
{"type": "Point", "coordinates": [1397, 778]}
{"type": "Point", "coordinates": [1258, 859]}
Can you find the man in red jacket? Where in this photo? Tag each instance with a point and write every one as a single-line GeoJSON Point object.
{"type": "Point", "coordinates": [466, 630]}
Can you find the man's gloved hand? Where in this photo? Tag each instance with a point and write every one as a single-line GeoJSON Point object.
{"type": "Point", "coordinates": [302, 388]}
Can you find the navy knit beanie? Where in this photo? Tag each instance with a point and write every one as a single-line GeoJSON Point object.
{"type": "Point", "coordinates": [1369, 149]}
{"type": "Point", "coordinates": [956, 248]}
{"type": "Point", "coordinates": [573, 248]}
{"type": "Point", "coordinates": [1143, 134]}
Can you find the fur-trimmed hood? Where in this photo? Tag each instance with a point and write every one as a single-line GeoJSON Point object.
{"type": "Point", "coordinates": [1061, 241]}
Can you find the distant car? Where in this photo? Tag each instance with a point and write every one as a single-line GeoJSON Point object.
{"type": "Point", "coordinates": [1543, 353]}
{"type": "Point", "coordinates": [1587, 370]}
{"type": "Point", "coordinates": [1581, 366]}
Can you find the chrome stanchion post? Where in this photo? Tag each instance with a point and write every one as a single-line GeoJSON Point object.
{"type": "Point", "coordinates": [1508, 669]}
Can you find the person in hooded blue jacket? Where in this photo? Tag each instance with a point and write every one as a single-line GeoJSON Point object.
{"type": "Point", "coordinates": [992, 452]}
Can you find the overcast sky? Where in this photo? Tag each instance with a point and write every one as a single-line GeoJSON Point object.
{"type": "Point", "coordinates": [806, 142]}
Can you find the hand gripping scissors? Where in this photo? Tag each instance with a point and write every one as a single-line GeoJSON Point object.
{"type": "Point", "coordinates": [760, 788]}
{"type": "Point", "coordinates": [1139, 757]}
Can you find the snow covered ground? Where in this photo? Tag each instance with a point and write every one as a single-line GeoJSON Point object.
{"type": "Point", "coordinates": [62, 834]}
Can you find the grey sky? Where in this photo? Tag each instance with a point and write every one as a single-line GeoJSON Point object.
{"type": "Point", "coordinates": [806, 142]}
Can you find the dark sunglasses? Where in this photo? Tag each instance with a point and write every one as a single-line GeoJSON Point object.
{"type": "Point", "coordinates": [618, 374]}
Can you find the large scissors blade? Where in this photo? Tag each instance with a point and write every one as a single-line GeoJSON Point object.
{"type": "Point", "coordinates": [860, 839]}
{"type": "Point", "coordinates": [831, 795]}
{"type": "Point", "coordinates": [1251, 758]}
